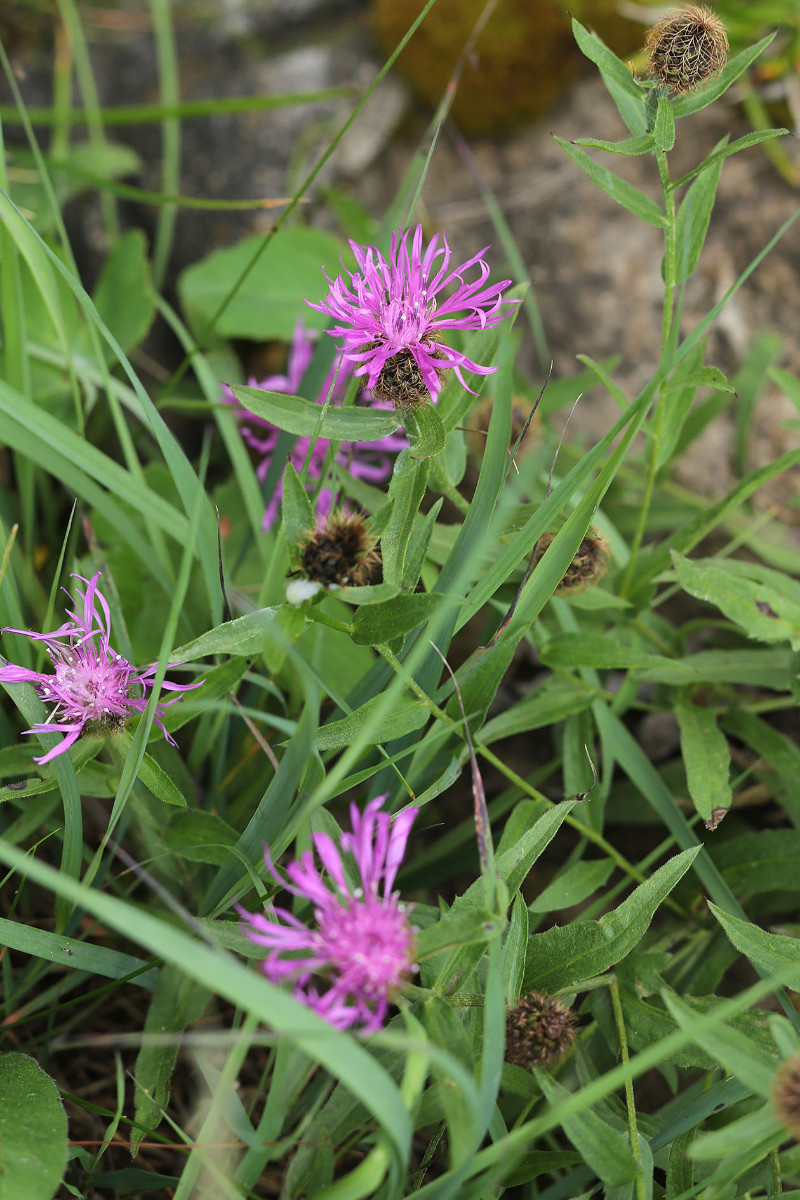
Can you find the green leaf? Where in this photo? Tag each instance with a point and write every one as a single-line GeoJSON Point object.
{"type": "Point", "coordinates": [729, 148]}
{"type": "Point", "coordinates": [717, 86]}
{"type": "Point", "coordinates": [766, 608]}
{"type": "Point", "coordinates": [455, 929]}
{"type": "Point", "coordinates": [772, 953]}
{"type": "Point", "coordinates": [644, 144]}
{"type": "Point", "coordinates": [521, 846]}
{"type": "Point", "coordinates": [406, 491]}
{"type": "Point", "coordinates": [218, 682]}
{"type": "Point", "coordinates": [737, 1053]}
{"type": "Point", "coordinates": [156, 779]}
{"type": "Point", "coordinates": [244, 635]}
{"type": "Point", "coordinates": [758, 1131]}
{"type": "Point", "coordinates": [418, 545]}
{"type": "Point", "coordinates": [124, 294]}
{"type": "Point", "coordinates": [603, 1147]}
{"type": "Point", "coordinates": [66, 455]}
{"type": "Point", "coordinates": [757, 668]}
{"type": "Point", "coordinates": [780, 755]}
{"type": "Point", "coordinates": [425, 431]}
{"type": "Point", "coordinates": [573, 885]}
{"type": "Point", "coordinates": [710, 377]}
{"type": "Point", "coordinates": [618, 189]}
{"type": "Point", "coordinates": [296, 508]}
{"type": "Point", "coordinates": [199, 837]}
{"type": "Point", "coordinates": [33, 1131]}
{"type": "Point", "coordinates": [301, 417]}
{"type": "Point", "coordinates": [664, 125]}
{"type": "Point", "coordinates": [598, 651]}
{"type": "Point", "coordinates": [682, 394]}
{"type": "Point", "coordinates": [267, 301]}
{"type": "Point", "coordinates": [405, 717]}
{"type": "Point", "coordinates": [515, 945]}
{"type": "Point", "coordinates": [377, 623]}
{"type": "Point", "coordinates": [617, 77]}
{"type": "Point", "coordinates": [75, 954]}
{"type": "Point", "coordinates": [111, 160]}
{"type": "Point", "coordinates": [545, 705]}
{"type": "Point", "coordinates": [564, 955]}
{"type": "Point", "coordinates": [177, 1002]}
{"type": "Point", "coordinates": [446, 1030]}
{"type": "Point", "coordinates": [694, 216]}
{"type": "Point", "coordinates": [656, 559]}
{"type": "Point", "coordinates": [707, 759]}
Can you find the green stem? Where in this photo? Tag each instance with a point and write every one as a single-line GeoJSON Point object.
{"type": "Point", "coordinates": [633, 1129]}
{"type": "Point", "coordinates": [669, 270]}
{"type": "Point", "coordinates": [167, 58]}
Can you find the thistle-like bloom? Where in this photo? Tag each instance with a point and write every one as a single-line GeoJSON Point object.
{"type": "Point", "coordinates": [363, 944]}
{"type": "Point", "coordinates": [391, 315]}
{"type": "Point", "coordinates": [370, 461]}
{"type": "Point", "coordinates": [92, 683]}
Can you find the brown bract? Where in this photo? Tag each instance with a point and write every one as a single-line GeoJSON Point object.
{"type": "Point", "coordinates": [342, 552]}
{"type": "Point", "coordinates": [539, 1031]}
{"type": "Point", "coordinates": [587, 567]}
{"type": "Point", "coordinates": [786, 1094]}
{"type": "Point", "coordinates": [401, 383]}
{"type": "Point", "coordinates": [687, 47]}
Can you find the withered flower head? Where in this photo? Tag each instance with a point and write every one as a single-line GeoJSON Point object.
{"type": "Point", "coordinates": [687, 47]}
{"type": "Point", "coordinates": [341, 552]}
{"type": "Point", "coordinates": [786, 1094]}
{"type": "Point", "coordinates": [539, 1031]}
{"type": "Point", "coordinates": [587, 567]}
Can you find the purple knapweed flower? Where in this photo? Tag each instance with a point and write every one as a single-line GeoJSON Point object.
{"type": "Point", "coordinates": [92, 683]}
{"type": "Point", "coordinates": [391, 315]}
{"type": "Point", "coordinates": [369, 461]}
{"type": "Point", "coordinates": [363, 944]}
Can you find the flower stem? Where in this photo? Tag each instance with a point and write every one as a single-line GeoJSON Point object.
{"type": "Point", "coordinates": [633, 1129]}
{"type": "Point", "coordinates": [669, 268]}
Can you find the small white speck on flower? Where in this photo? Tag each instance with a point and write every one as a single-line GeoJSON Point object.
{"type": "Point", "coordinates": [300, 590]}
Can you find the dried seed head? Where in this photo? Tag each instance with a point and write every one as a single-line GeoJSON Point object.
{"type": "Point", "coordinates": [342, 552]}
{"type": "Point", "coordinates": [401, 383]}
{"type": "Point", "coordinates": [786, 1094]}
{"type": "Point", "coordinates": [539, 1031]}
{"type": "Point", "coordinates": [687, 47]}
{"type": "Point", "coordinates": [587, 567]}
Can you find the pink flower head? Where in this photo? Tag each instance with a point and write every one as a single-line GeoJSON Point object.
{"type": "Point", "coordinates": [91, 681]}
{"type": "Point", "coordinates": [391, 308]}
{"type": "Point", "coordinates": [370, 461]}
{"type": "Point", "coordinates": [363, 944]}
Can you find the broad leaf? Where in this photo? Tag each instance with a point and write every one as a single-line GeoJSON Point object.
{"type": "Point", "coordinates": [33, 1131]}
{"type": "Point", "coordinates": [568, 954]}
{"type": "Point", "coordinates": [271, 284]}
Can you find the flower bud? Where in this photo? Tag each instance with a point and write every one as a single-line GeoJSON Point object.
{"type": "Point", "coordinates": [786, 1094]}
{"type": "Point", "coordinates": [539, 1031]}
{"type": "Point", "coordinates": [341, 552]}
{"type": "Point", "coordinates": [587, 567]}
{"type": "Point", "coordinates": [687, 47]}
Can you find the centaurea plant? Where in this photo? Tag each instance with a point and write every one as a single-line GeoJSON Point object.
{"type": "Point", "coordinates": [363, 944]}
{"type": "Point", "coordinates": [91, 683]}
